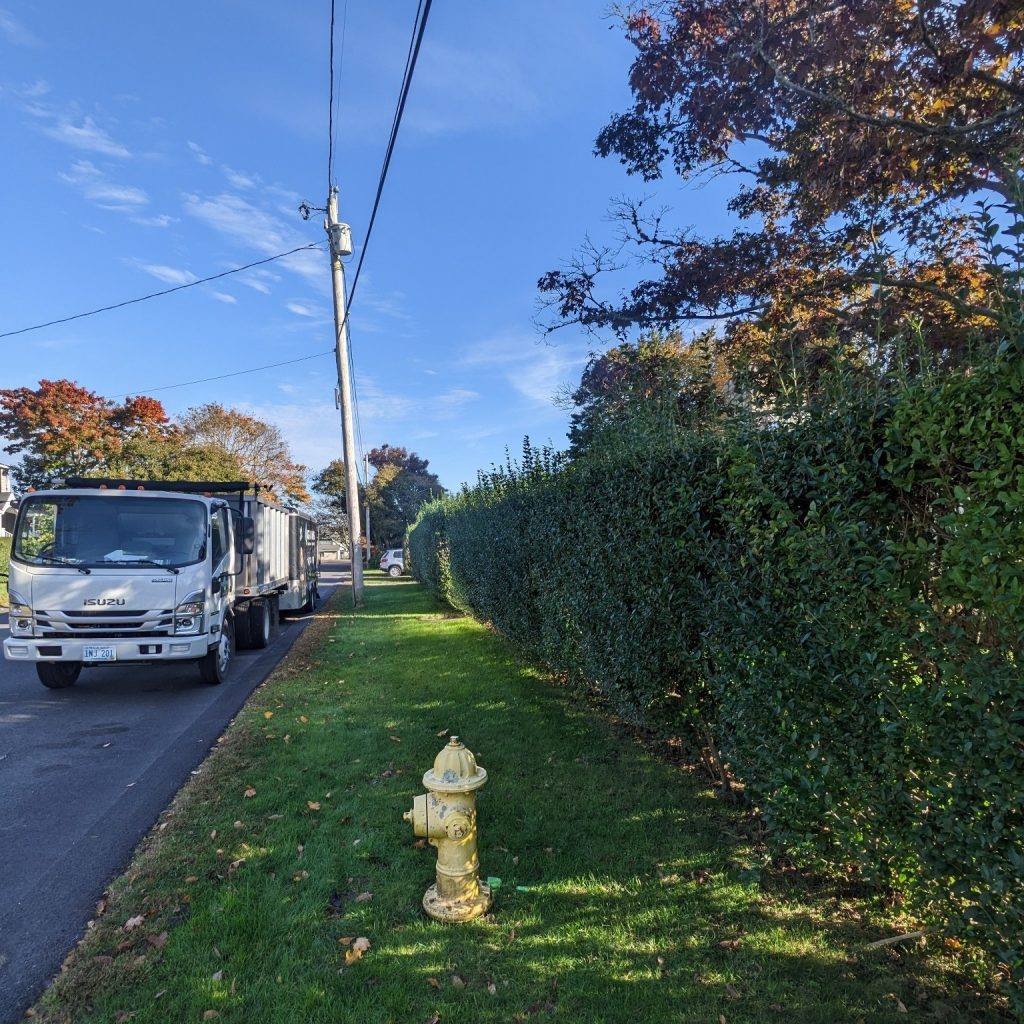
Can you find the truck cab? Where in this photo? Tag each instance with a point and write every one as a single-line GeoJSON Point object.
{"type": "Point", "coordinates": [104, 575]}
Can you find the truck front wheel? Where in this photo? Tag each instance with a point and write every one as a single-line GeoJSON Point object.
{"type": "Point", "coordinates": [58, 675]}
{"type": "Point", "coordinates": [214, 667]}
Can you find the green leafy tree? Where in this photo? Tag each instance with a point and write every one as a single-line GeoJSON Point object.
{"type": "Point", "coordinates": [660, 373]}
{"type": "Point", "coordinates": [402, 484]}
{"type": "Point", "coordinates": [330, 507]}
{"type": "Point", "coordinates": [258, 447]}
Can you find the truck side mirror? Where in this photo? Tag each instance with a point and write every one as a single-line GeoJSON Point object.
{"type": "Point", "coordinates": [245, 535]}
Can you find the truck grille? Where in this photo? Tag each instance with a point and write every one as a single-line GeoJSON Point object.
{"type": "Point", "coordinates": [115, 625]}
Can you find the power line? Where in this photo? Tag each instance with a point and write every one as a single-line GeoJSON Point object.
{"type": "Point", "coordinates": [412, 55]}
{"type": "Point", "coordinates": [419, 26]}
{"type": "Point", "coordinates": [224, 376]}
{"type": "Point", "coordinates": [166, 291]}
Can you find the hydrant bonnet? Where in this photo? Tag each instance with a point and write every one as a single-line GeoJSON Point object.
{"type": "Point", "coordinates": [455, 770]}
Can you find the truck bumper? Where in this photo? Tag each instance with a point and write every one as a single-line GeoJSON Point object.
{"type": "Point", "coordinates": [159, 648]}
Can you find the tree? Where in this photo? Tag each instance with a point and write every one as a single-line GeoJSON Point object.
{"type": "Point", "coordinates": [401, 485]}
{"type": "Point", "coordinates": [259, 448]}
{"type": "Point", "coordinates": [330, 509]}
{"type": "Point", "coordinates": [858, 130]}
{"type": "Point", "coordinates": [660, 370]}
{"type": "Point", "coordinates": [66, 430]}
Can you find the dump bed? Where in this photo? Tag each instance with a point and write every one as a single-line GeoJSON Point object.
{"type": "Point", "coordinates": [267, 568]}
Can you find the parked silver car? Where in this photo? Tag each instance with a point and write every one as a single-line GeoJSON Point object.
{"type": "Point", "coordinates": [393, 562]}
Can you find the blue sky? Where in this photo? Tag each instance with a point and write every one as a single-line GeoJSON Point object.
{"type": "Point", "coordinates": [146, 145]}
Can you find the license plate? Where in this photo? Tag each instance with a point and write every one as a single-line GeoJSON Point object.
{"type": "Point", "coordinates": [99, 654]}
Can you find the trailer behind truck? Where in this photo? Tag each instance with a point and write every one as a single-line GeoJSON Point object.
{"type": "Point", "coordinates": [121, 572]}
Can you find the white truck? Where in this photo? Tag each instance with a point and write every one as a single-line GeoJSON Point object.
{"type": "Point", "coordinates": [130, 571]}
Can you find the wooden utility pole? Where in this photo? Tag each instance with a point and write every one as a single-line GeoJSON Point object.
{"type": "Point", "coordinates": [340, 237]}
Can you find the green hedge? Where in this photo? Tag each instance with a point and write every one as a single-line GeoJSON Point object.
{"type": "Point", "coordinates": [832, 604]}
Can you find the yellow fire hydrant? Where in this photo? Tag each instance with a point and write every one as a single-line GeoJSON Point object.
{"type": "Point", "coordinates": [446, 816]}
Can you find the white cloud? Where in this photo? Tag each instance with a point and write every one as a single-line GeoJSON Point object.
{"type": "Point", "coordinates": [537, 371]}
{"type": "Point", "coordinates": [300, 310]}
{"type": "Point", "coordinates": [171, 275]}
{"type": "Point", "coordinates": [97, 188]}
{"type": "Point", "coordinates": [259, 280]}
{"type": "Point", "coordinates": [224, 297]}
{"type": "Point", "coordinates": [199, 153]}
{"type": "Point", "coordinates": [450, 404]}
{"type": "Point", "coordinates": [161, 220]}
{"type": "Point", "coordinates": [14, 31]}
{"type": "Point", "coordinates": [258, 230]}
{"type": "Point", "coordinates": [239, 180]}
{"type": "Point", "coordinates": [86, 135]}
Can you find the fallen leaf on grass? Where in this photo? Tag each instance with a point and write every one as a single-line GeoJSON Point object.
{"type": "Point", "coordinates": [362, 944]}
{"type": "Point", "coordinates": [420, 844]}
{"type": "Point", "coordinates": [300, 876]}
{"type": "Point", "coordinates": [210, 1014]}
{"type": "Point", "coordinates": [661, 964]}
{"type": "Point", "coordinates": [492, 988]}
{"type": "Point", "coordinates": [133, 923]}
{"type": "Point", "coordinates": [433, 982]}
{"type": "Point", "coordinates": [434, 1018]}
{"type": "Point", "coordinates": [157, 941]}
{"type": "Point", "coordinates": [346, 940]}
{"type": "Point", "coordinates": [900, 1008]}
{"type": "Point", "coordinates": [103, 958]}
{"type": "Point", "coordinates": [732, 991]}
{"type": "Point", "coordinates": [217, 976]}
{"type": "Point", "coordinates": [313, 805]}
{"type": "Point", "coordinates": [239, 824]}
{"type": "Point", "coordinates": [443, 732]}
{"type": "Point", "coordinates": [364, 897]}
{"type": "Point", "coordinates": [191, 879]}
{"type": "Point", "coordinates": [395, 739]}
{"type": "Point", "coordinates": [268, 714]}
{"type": "Point", "coordinates": [458, 981]}
{"type": "Point", "coordinates": [249, 793]}
{"type": "Point", "coordinates": [303, 719]}
{"type": "Point", "coordinates": [731, 943]}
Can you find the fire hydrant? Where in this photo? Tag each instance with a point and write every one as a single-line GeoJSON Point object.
{"type": "Point", "coordinates": [446, 816]}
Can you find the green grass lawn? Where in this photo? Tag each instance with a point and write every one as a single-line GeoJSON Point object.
{"type": "Point", "coordinates": [630, 891]}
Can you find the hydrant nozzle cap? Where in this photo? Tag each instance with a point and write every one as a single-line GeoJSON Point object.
{"type": "Point", "coordinates": [455, 770]}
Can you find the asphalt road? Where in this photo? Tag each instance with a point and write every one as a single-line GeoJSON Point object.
{"type": "Point", "coordinates": [84, 772]}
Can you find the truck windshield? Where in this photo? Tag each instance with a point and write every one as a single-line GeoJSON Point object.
{"type": "Point", "coordinates": [93, 531]}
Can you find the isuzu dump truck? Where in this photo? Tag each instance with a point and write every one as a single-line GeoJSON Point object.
{"type": "Point", "coordinates": [124, 572]}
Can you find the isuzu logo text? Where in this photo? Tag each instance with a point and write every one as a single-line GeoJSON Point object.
{"type": "Point", "coordinates": [93, 602]}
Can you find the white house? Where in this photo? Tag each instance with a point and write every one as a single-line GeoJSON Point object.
{"type": "Point", "coordinates": [8, 510]}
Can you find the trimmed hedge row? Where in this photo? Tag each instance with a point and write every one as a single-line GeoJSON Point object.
{"type": "Point", "coordinates": [834, 605]}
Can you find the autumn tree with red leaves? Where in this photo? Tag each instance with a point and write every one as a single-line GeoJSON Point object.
{"type": "Point", "coordinates": [63, 429]}
{"type": "Point", "coordinates": [860, 133]}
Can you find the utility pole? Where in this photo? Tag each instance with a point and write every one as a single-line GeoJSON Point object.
{"type": "Point", "coordinates": [340, 237]}
{"type": "Point", "coordinates": [366, 474]}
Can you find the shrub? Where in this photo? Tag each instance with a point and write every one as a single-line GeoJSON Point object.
{"type": "Point", "coordinates": [832, 602]}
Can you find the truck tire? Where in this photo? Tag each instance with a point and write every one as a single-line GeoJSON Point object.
{"type": "Point", "coordinates": [275, 615]}
{"type": "Point", "coordinates": [58, 675]}
{"type": "Point", "coordinates": [259, 624]}
{"type": "Point", "coordinates": [214, 667]}
{"type": "Point", "coordinates": [243, 628]}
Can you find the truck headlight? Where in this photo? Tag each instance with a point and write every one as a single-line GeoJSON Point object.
{"type": "Point", "coordinates": [188, 616]}
{"type": "Point", "coordinates": [21, 618]}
